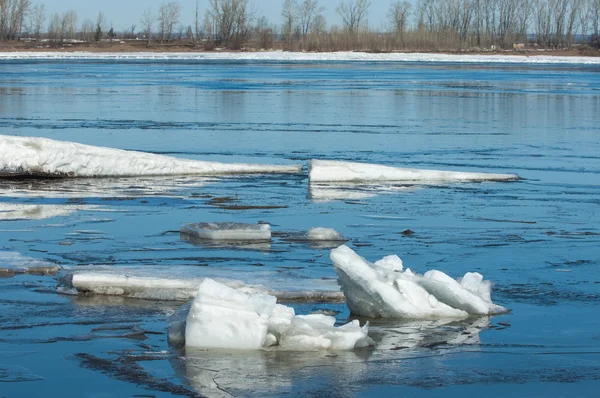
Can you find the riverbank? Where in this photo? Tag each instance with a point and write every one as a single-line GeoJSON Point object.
{"type": "Point", "coordinates": [132, 46]}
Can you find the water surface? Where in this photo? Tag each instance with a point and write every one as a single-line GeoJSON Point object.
{"type": "Point", "coordinates": [536, 239]}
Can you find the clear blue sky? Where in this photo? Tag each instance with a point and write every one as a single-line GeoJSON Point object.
{"type": "Point", "coordinates": [123, 13]}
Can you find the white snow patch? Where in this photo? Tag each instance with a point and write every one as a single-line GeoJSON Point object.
{"type": "Point", "coordinates": [15, 263]}
{"type": "Point", "coordinates": [340, 171]}
{"type": "Point", "coordinates": [46, 157]}
{"type": "Point", "coordinates": [221, 317]}
{"type": "Point", "coordinates": [228, 231]}
{"type": "Point", "coordinates": [324, 234]}
{"type": "Point", "coordinates": [383, 290]}
{"type": "Point", "coordinates": [342, 56]}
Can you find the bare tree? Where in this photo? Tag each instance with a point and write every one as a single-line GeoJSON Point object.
{"type": "Point", "coordinates": [595, 17]}
{"type": "Point", "coordinates": [398, 16]}
{"type": "Point", "coordinates": [147, 22]}
{"type": "Point", "coordinates": [288, 13]}
{"type": "Point", "coordinates": [584, 14]}
{"type": "Point", "coordinates": [353, 13]}
{"type": "Point", "coordinates": [12, 17]}
{"type": "Point", "coordinates": [232, 20]}
{"type": "Point", "coordinates": [572, 23]}
{"type": "Point", "coordinates": [54, 27]}
{"type": "Point", "coordinates": [87, 30]}
{"type": "Point", "coordinates": [168, 17]}
{"type": "Point", "coordinates": [306, 11]}
{"type": "Point", "coordinates": [37, 18]}
{"type": "Point", "coordinates": [67, 25]}
{"type": "Point", "coordinates": [197, 24]}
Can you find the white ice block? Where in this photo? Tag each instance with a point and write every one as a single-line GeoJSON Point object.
{"type": "Point", "coordinates": [228, 231]}
{"type": "Point", "coordinates": [221, 317]}
{"type": "Point", "coordinates": [340, 171]}
{"type": "Point", "coordinates": [34, 156]}
{"type": "Point", "coordinates": [383, 290]}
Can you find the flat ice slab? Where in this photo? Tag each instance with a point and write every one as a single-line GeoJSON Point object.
{"type": "Point", "coordinates": [228, 231]}
{"type": "Point", "coordinates": [12, 263]}
{"type": "Point", "coordinates": [34, 156]}
{"type": "Point", "coordinates": [222, 317]}
{"type": "Point", "coordinates": [181, 284]}
{"type": "Point", "coordinates": [385, 289]}
{"type": "Point", "coordinates": [340, 171]}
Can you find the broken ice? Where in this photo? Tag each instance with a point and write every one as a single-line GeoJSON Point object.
{"type": "Point", "coordinates": [340, 171]}
{"type": "Point", "coordinates": [222, 317]}
{"type": "Point", "coordinates": [384, 289]}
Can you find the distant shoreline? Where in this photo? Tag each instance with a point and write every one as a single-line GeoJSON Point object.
{"type": "Point", "coordinates": [141, 47]}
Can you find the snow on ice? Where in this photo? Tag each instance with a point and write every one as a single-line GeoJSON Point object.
{"type": "Point", "coordinates": [34, 156]}
{"type": "Point", "coordinates": [385, 289]}
{"type": "Point", "coordinates": [340, 171]}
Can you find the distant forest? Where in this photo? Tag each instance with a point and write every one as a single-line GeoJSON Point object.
{"type": "Point", "coordinates": [441, 25]}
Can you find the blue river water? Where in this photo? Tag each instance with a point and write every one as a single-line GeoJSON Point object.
{"type": "Point", "coordinates": [537, 239]}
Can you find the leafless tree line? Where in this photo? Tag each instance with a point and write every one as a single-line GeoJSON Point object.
{"type": "Point", "coordinates": [12, 17]}
{"type": "Point", "coordinates": [417, 25]}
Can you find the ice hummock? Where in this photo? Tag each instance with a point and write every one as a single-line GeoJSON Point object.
{"type": "Point", "coordinates": [12, 263]}
{"type": "Point", "coordinates": [228, 231]}
{"type": "Point", "coordinates": [386, 289]}
{"type": "Point", "coordinates": [35, 156]}
{"type": "Point", "coordinates": [222, 317]}
{"type": "Point", "coordinates": [340, 171]}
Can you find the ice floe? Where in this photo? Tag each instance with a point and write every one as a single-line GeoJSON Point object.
{"type": "Point", "coordinates": [340, 171]}
{"type": "Point", "coordinates": [385, 289]}
{"type": "Point", "coordinates": [341, 56]}
{"type": "Point", "coordinates": [222, 317]}
{"type": "Point", "coordinates": [34, 156]}
{"type": "Point", "coordinates": [180, 283]}
{"type": "Point", "coordinates": [12, 263]}
{"type": "Point", "coordinates": [324, 234]}
{"type": "Point", "coordinates": [227, 231]}
{"type": "Point", "coordinates": [14, 211]}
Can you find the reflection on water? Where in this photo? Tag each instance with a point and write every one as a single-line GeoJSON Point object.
{"type": "Point", "coordinates": [320, 192]}
{"type": "Point", "coordinates": [224, 244]}
{"type": "Point", "coordinates": [101, 187]}
{"type": "Point", "coordinates": [540, 122]}
{"type": "Point", "coordinates": [222, 373]}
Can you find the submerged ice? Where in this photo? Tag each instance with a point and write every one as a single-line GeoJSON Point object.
{"type": "Point", "coordinates": [222, 317]}
{"type": "Point", "coordinates": [34, 156]}
{"type": "Point", "coordinates": [15, 263]}
{"type": "Point", "coordinates": [228, 231]}
{"type": "Point", "coordinates": [340, 171]}
{"type": "Point", "coordinates": [386, 289]}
